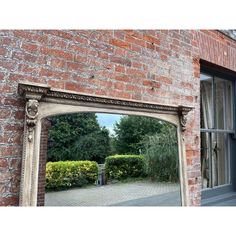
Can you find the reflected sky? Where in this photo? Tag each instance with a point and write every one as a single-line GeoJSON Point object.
{"type": "Point", "coordinates": [108, 120]}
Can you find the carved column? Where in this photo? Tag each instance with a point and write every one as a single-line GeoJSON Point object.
{"type": "Point", "coordinates": [182, 113]}
{"type": "Point", "coordinates": [32, 129]}
{"type": "Point", "coordinates": [31, 113]}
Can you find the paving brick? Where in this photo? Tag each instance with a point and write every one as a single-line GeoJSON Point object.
{"type": "Point", "coordinates": [111, 194]}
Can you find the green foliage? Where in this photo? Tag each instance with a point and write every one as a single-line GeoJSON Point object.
{"type": "Point", "coordinates": [94, 146]}
{"type": "Point", "coordinates": [161, 155]}
{"type": "Point", "coordinates": [77, 137]}
{"type": "Point", "coordinates": [124, 166]}
{"type": "Point", "coordinates": [131, 130]}
{"type": "Point", "coordinates": [66, 174]}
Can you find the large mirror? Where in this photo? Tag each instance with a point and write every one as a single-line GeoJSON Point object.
{"type": "Point", "coordinates": [104, 159]}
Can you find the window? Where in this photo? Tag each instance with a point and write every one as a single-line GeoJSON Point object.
{"type": "Point", "coordinates": [216, 127]}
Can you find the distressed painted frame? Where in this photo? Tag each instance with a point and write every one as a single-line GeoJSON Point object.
{"type": "Point", "coordinates": [43, 101]}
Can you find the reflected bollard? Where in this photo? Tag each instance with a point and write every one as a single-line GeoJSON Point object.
{"type": "Point", "coordinates": [101, 175]}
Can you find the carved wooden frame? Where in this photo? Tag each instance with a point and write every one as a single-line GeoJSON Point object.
{"type": "Point", "coordinates": [43, 101]}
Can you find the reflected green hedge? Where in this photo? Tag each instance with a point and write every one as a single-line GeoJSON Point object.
{"type": "Point", "coordinates": [120, 167]}
{"type": "Point", "coordinates": [66, 174]}
{"type": "Point", "coordinates": [161, 156]}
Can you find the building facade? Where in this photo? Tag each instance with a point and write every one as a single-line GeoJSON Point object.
{"type": "Point", "coordinates": [191, 68]}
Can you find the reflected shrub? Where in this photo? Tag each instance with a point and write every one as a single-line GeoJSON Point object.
{"type": "Point", "coordinates": [161, 155]}
{"type": "Point", "coordinates": [119, 167]}
{"type": "Point", "coordinates": [66, 174]}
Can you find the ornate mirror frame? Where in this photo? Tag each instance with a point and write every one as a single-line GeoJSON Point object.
{"type": "Point", "coordinates": [43, 101]}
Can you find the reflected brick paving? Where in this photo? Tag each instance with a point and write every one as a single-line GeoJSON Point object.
{"type": "Point", "coordinates": [111, 194]}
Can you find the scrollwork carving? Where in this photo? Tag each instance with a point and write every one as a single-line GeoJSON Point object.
{"type": "Point", "coordinates": [182, 117]}
{"type": "Point", "coordinates": [183, 122]}
{"type": "Point", "coordinates": [31, 115]}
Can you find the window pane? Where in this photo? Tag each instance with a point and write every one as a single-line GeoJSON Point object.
{"type": "Point", "coordinates": [223, 104]}
{"type": "Point", "coordinates": [205, 151]}
{"type": "Point", "coordinates": [220, 159]}
{"type": "Point", "coordinates": [206, 102]}
{"type": "Point", "coordinates": [215, 159]}
{"type": "Point", "coordinates": [216, 113]}
{"type": "Point", "coordinates": [219, 103]}
{"type": "Point", "coordinates": [229, 105]}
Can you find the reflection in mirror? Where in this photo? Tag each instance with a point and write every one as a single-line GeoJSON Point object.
{"type": "Point", "coordinates": [98, 159]}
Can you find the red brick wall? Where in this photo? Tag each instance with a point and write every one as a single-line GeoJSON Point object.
{"type": "Point", "coordinates": [148, 65]}
{"type": "Point", "coordinates": [217, 48]}
{"type": "Point", "coordinates": [42, 160]}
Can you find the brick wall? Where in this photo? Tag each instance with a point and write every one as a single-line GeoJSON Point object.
{"type": "Point", "coordinates": [217, 48]}
{"type": "Point", "coordinates": [159, 66]}
{"type": "Point", "coordinates": [46, 124]}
